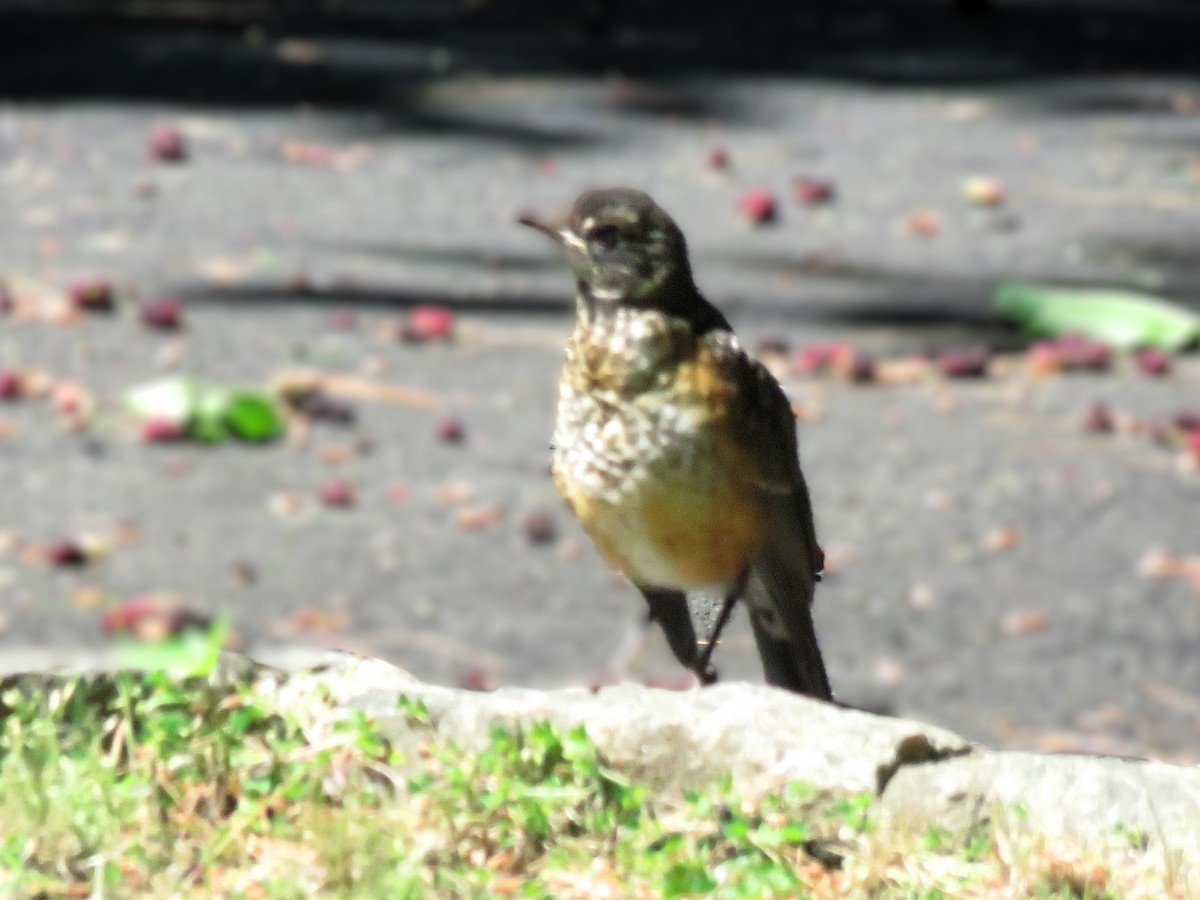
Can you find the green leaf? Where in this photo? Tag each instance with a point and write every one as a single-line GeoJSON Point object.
{"type": "Point", "coordinates": [193, 652]}
{"type": "Point", "coordinates": [1121, 319]}
{"type": "Point", "coordinates": [253, 417]}
{"type": "Point", "coordinates": [208, 422]}
{"type": "Point", "coordinates": [209, 413]}
{"type": "Point", "coordinates": [168, 399]}
{"type": "Point", "coordinates": [683, 880]}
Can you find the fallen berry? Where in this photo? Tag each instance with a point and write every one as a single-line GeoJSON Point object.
{"type": "Point", "coordinates": [324, 408]}
{"type": "Point", "coordinates": [1193, 444]}
{"type": "Point", "coordinates": [450, 431]}
{"type": "Point", "coordinates": [337, 494]}
{"type": "Point", "coordinates": [342, 320]}
{"type": "Point", "coordinates": [1091, 355]}
{"type": "Point", "coordinates": [811, 360]}
{"type": "Point", "coordinates": [12, 385]}
{"type": "Point", "coordinates": [165, 313]}
{"type": "Point", "coordinates": [812, 191]}
{"type": "Point", "coordinates": [148, 619]}
{"type": "Point", "coordinates": [922, 223]}
{"type": "Point", "coordinates": [428, 323]}
{"type": "Point", "coordinates": [1098, 419]}
{"type": "Point", "coordinates": [1153, 362]}
{"type": "Point", "coordinates": [166, 143]}
{"type": "Point", "coordinates": [983, 191]}
{"type": "Point", "coordinates": [161, 431]}
{"type": "Point", "coordinates": [861, 369]}
{"type": "Point", "coordinates": [967, 362]}
{"type": "Point", "coordinates": [94, 294]}
{"type": "Point", "coordinates": [477, 679]}
{"type": "Point", "coordinates": [718, 158]}
{"type": "Point", "coordinates": [771, 347]}
{"type": "Point", "coordinates": [65, 554]}
{"type": "Point", "coordinates": [539, 527]}
{"type": "Point", "coordinates": [1045, 357]}
{"type": "Point", "coordinates": [757, 207]}
{"type": "Point", "coordinates": [1187, 421]}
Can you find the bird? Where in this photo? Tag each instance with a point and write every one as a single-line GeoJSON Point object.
{"type": "Point", "coordinates": [675, 449]}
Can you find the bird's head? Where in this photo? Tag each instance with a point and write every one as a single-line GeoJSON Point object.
{"type": "Point", "coordinates": [623, 249]}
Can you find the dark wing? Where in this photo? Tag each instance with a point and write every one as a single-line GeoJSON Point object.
{"type": "Point", "coordinates": [782, 580]}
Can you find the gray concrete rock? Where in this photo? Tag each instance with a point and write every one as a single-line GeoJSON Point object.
{"type": "Point", "coordinates": [924, 777]}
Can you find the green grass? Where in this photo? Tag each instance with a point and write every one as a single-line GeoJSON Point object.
{"type": "Point", "coordinates": [149, 786]}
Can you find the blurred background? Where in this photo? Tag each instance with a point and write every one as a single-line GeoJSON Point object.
{"type": "Point", "coordinates": [323, 195]}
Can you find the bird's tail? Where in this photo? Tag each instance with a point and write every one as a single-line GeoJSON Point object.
{"type": "Point", "coordinates": [779, 596]}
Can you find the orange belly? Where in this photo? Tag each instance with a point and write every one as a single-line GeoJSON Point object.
{"type": "Point", "coordinates": [671, 534]}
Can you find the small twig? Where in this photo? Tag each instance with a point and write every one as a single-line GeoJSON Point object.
{"type": "Point", "coordinates": [295, 382]}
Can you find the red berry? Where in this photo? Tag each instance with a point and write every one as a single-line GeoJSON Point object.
{"type": "Point", "coordinates": [810, 360]}
{"type": "Point", "coordinates": [1187, 421]}
{"type": "Point", "coordinates": [428, 323]}
{"type": "Point", "coordinates": [166, 143]}
{"type": "Point", "coordinates": [539, 527]}
{"type": "Point", "coordinates": [161, 431]}
{"type": "Point", "coordinates": [861, 369]}
{"type": "Point", "coordinates": [7, 303]}
{"type": "Point", "coordinates": [165, 313]}
{"type": "Point", "coordinates": [1091, 355]}
{"type": "Point", "coordinates": [342, 320]}
{"type": "Point", "coordinates": [477, 679]}
{"type": "Point", "coordinates": [327, 409]}
{"type": "Point", "coordinates": [122, 618]}
{"type": "Point", "coordinates": [812, 191]}
{"type": "Point", "coordinates": [1098, 419]}
{"type": "Point", "coordinates": [1153, 362]}
{"type": "Point", "coordinates": [65, 554]}
{"type": "Point", "coordinates": [757, 207]}
{"type": "Point", "coordinates": [772, 346]}
{"type": "Point", "coordinates": [12, 385]}
{"type": "Point", "coordinates": [450, 431]}
{"type": "Point", "coordinates": [966, 362]}
{"type": "Point", "coordinates": [1193, 444]}
{"type": "Point", "coordinates": [92, 293]}
{"type": "Point", "coordinates": [718, 158]}
{"type": "Point", "coordinates": [1045, 356]}
{"type": "Point", "coordinates": [338, 494]}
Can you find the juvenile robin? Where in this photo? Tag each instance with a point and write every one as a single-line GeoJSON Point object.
{"type": "Point", "coordinates": [675, 449]}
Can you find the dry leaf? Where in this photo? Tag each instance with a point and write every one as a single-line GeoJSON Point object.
{"type": "Point", "coordinates": [297, 52]}
{"type": "Point", "coordinates": [452, 493]}
{"type": "Point", "coordinates": [837, 557]}
{"type": "Point", "coordinates": [920, 596]}
{"type": "Point", "coordinates": [291, 383]}
{"type": "Point", "coordinates": [87, 596]}
{"type": "Point", "coordinates": [1000, 539]}
{"type": "Point", "coordinates": [922, 223]}
{"type": "Point", "coordinates": [477, 517]}
{"type": "Point", "coordinates": [312, 153]}
{"type": "Point", "coordinates": [336, 454]}
{"type": "Point", "coordinates": [937, 501]}
{"type": "Point", "coordinates": [888, 672]}
{"type": "Point", "coordinates": [309, 619]}
{"type": "Point", "coordinates": [1029, 620]}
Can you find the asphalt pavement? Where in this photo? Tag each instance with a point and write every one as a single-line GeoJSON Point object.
{"type": "Point", "coordinates": [988, 555]}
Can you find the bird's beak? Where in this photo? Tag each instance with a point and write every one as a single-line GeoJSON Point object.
{"type": "Point", "coordinates": [558, 230]}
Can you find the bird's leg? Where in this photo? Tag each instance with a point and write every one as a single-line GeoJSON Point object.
{"type": "Point", "coordinates": [703, 668]}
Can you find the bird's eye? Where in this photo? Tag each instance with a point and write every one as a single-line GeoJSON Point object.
{"type": "Point", "coordinates": [603, 234]}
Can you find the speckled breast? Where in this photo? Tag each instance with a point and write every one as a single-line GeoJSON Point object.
{"type": "Point", "coordinates": [645, 455]}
